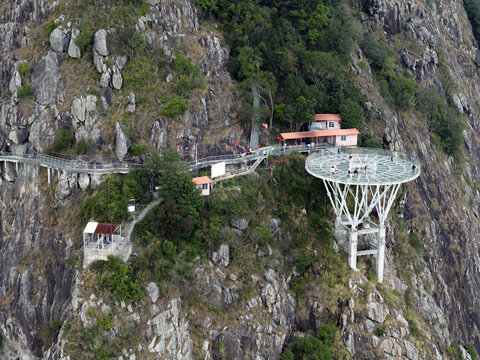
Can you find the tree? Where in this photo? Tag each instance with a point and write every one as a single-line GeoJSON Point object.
{"type": "Point", "coordinates": [351, 113]}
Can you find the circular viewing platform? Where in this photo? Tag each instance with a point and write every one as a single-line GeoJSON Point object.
{"type": "Point", "coordinates": [367, 166]}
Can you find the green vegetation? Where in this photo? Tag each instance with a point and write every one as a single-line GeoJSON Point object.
{"type": "Point", "coordinates": [297, 59]}
{"type": "Point", "coordinates": [47, 335]}
{"type": "Point", "coordinates": [173, 105]}
{"type": "Point", "coordinates": [137, 150]}
{"type": "Point", "coordinates": [453, 352]}
{"type": "Point", "coordinates": [367, 140]}
{"type": "Point", "coordinates": [471, 350]}
{"type": "Point", "coordinates": [310, 347]}
{"type": "Point", "coordinates": [106, 322]}
{"type": "Point", "coordinates": [84, 40]}
{"type": "Point", "coordinates": [63, 140]}
{"type": "Point", "coordinates": [380, 329]}
{"type": "Point", "coordinates": [472, 7]}
{"type": "Point", "coordinates": [23, 69]}
{"type": "Point", "coordinates": [119, 280]}
{"type": "Point", "coordinates": [49, 27]}
{"type": "Point", "coordinates": [24, 91]}
{"type": "Point", "coordinates": [445, 122]}
{"type": "Point", "coordinates": [82, 147]}
{"type": "Point", "coordinates": [415, 241]}
{"type": "Point", "coordinates": [397, 89]}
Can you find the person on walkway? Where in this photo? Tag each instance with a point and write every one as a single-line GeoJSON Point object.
{"type": "Point", "coordinates": [332, 170]}
{"type": "Point", "coordinates": [413, 168]}
{"type": "Point", "coordinates": [355, 172]}
{"type": "Point", "coordinates": [365, 170]}
{"type": "Point", "coordinates": [349, 174]}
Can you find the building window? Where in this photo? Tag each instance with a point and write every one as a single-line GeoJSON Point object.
{"type": "Point", "coordinates": [205, 186]}
{"type": "Point", "coordinates": [343, 137]}
{"type": "Point", "coordinates": [331, 124]}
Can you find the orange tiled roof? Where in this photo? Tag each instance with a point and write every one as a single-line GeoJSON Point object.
{"type": "Point", "coordinates": [201, 180]}
{"type": "Point", "coordinates": [318, 133]}
{"type": "Point", "coordinates": [329, 117]}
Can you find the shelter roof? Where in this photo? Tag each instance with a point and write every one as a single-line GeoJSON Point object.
{"type": "Point", "coordinates": [90, 228]}
{"type": "Point", "coordinates": [105, 228]}
{"type": "Point", "coordinates": [318, 133]}
{"type": "Point", "coordinates": [201, 180]}
{"type": "Point", "coordinates": [329, 117]}
{"type": "Point", "coordinates": [100, 228]}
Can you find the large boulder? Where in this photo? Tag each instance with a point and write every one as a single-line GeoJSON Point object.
{"type": "Point", "coordinates": [73, 49]}
{"type": "Point", "coordinates": [117, 79]}
{"type": "Point", "coordinates": [45, 77]}
{"type": "Point", "coordinates": [100, 42]}
{"type": "Point", "coordinates": [239, 223]}
{"type": "Point", "coordinates": [83, 181]}
{"type": "Point", "coordinates": [63, 189]}
{"type": "Point", "coordinates": [222, 256]}
{"type": "Point", "coordinates": [59, 40]}
{"type": "Point", "coordinates": [122, 143]}
{"type": "Point", "coordinates": [153, 291]}
{"type": "Point", "coordinates": [15, 82]}
{"type": "Point", "coordinates": [9, 173]}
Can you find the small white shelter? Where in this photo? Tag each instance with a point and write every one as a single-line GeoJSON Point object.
{"type": "Point", "coordinates": [103, 239]}
{"type": "Point", "coordinates": [204, 183]}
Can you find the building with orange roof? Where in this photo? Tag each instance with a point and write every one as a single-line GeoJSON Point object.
{"type": "Point", "coordinates": [325, 129]}
{"type": "Point", "coordinates": [204, 183]}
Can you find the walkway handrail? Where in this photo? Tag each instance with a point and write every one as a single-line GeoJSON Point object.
{"type": "Point", "coordinates": [81, 166]}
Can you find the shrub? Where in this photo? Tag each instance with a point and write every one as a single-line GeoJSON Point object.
{"type": "Point", "coordinates": [403, 89]}
{"type": "Point", "coordinates": [171, 264]}
{"type": "Point", "coordinates": [352, 114]}
{"type": "Point", "coordinates": [23, 69]}
{"type": "Point", "coordinates": [120, 281]}
{"type": "Point", "coordinates": [173, 105]}
{"type": "Point", "coordinates": [472, 7]}
{"type": "Point", "coordinates": [303, 262]}
{"type": "Point", "coordinates": [55, 326]}
{"type": "Point", "coordinates": [106, 322]}
{"type": "Point", "coordinates": [208, 5]}
{"type": "Point", "coordinates": [49, 27]}
{"type": "Point", "coordinates": [470, 349]}
{"type": "Point", "coordinates": [375, 51]}
{"type": "Point", "coordinates": [261, 235]}
{"type": "Point", "coordinates": [380, 329]}
{"type": "Point", "coordinates": [24, 91]}
{"type": "Point", "coordinates": [367, 140]}
{"type": "Point", "coordinates": [82, 147]}
{"type": "Point", "coordinates": [63, 140]}
{"type": "Point", "coordinates": [84, 40]}
{"type": "Point", "coordinates": [140, 72]}
{"type": "Point", "coordinates": [108, 204]}
{"type": "Point", "coordinates": [137, 150]}
{"type": "Point", "coordinates": [307, 348]}
{"type": "Point", "coordinates": [415, 241]}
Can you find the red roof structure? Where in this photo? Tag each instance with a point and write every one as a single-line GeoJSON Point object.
{"type": "Point", "coordinates": [317, 133]}
{"type": "Point", "coordinates": [105, 228]}
{"type": "Point", "coordinates": [201, 180]}
{"type": "Point", "coordinates": [328, 117]}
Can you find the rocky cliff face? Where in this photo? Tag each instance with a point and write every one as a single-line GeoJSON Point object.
{"type": "Point", "coordinates": [442, 204]}
{"type": "Point", "coordinates": [37, 286]}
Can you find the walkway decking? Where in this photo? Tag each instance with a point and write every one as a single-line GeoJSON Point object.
{"type": "Point", "coordinates": [80, 166]}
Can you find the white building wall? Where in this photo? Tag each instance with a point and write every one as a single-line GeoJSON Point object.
{"type": "Point", "coordinates": [324, 125]}
{"type": "Point", "coordinates": [205, 192]}
{"type": "Point", "coordinates": [351, 140]}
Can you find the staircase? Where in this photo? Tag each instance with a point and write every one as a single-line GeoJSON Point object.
{"type": "Point", "coordinates": [130, 226]}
